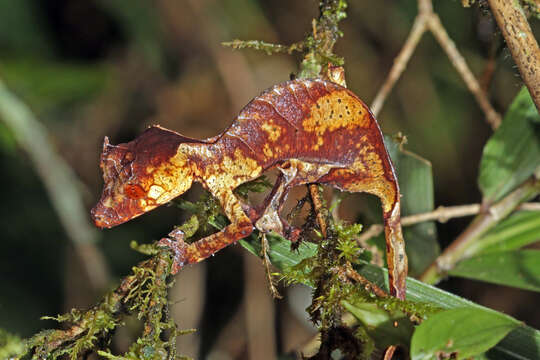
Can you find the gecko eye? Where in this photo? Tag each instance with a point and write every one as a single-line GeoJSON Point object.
{"type": "Point", "coordinates": [134, 191]}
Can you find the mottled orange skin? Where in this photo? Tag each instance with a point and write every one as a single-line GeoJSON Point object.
{"type": "Point", "coordinates": [311, 130]}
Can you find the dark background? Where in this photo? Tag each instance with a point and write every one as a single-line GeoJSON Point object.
{"type": "Point", "coordinates": [90, 68]}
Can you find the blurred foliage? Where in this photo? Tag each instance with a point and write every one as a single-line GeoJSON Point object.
{"type": "Point", "coordinates": [49, 87]}
{"type": "Point", "coordinates": [139, 20]}
{"type": "Point", "coordinates": [22, 29]}
{"type": "Point", "coordinates": [517, 231]}
{"type": "Point", "coordinates": [10, 345]}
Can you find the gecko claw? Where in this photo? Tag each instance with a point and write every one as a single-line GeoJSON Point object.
{"type": "Point", "coordinates": [175, 242]}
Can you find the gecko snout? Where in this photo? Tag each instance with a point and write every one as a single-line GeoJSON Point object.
{"type": "Point", "coordinates": [101, 219]}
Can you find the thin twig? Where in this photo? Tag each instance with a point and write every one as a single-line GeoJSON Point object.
{"type": "Point", "coordinates": [371, 232]}
{"type": "Point", "coordinates": [438, 30]}
{"type": "Point", "coordinates": [265, 248]}
{"type": "Point", "coordinates": [368, 285]}
{"type": "Point", "coordinates": [429, 20]}
{"type": "Point", "coordinates": [400, 63]}
{"type": "Point", "coordinates": [318, 207]}
{"type": "Point", "coordinates": [441, 214]}
{"type": "Point", "coordinates": [268, 48]}
{"type": "Point", "coordinates": [467, 243]}
{"type": "Point", "coordinates": [520, 40]}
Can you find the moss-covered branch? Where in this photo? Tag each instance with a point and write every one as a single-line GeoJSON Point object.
{"type": "Point", "coordinates": [317, 46]}
{"type": "Point", "coordinates": [143, 293]}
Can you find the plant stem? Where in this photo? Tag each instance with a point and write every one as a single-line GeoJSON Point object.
{"type": "Point", "coordinates": [520, 40]}
{"type": "Point", "coordinates": [442, 214]}
{"type": "Point", "coordinates": [466, 244]}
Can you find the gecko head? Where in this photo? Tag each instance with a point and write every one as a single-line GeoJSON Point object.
{"type": "Point", "coordinates": [139, 176]}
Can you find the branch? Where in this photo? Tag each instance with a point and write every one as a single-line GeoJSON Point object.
{"type": "Point", "coordinates": [442, 214]}
{"type": "Point", "coordinates": [520, 40]}
{"type": "Point", "coordinates": [427, 19]}
{"type": "Point", "coordinates": [400, 63]}
{"type": "Point", "coordinates": [438, 30]}
{"type": "Point", "coordinates": [268, 48]}
{"type": "Point", "coordinates": [143, 292]}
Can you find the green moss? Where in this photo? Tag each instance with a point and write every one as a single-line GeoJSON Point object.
{"type": "Point", "coordinates": [268, 48]}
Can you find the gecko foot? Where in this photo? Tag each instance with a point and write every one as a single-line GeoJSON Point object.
{"type": "Point", "coordinates": [175, 242]}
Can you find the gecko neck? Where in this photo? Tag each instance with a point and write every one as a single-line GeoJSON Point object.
{"type": "Point", "coordinates": [199, 156]}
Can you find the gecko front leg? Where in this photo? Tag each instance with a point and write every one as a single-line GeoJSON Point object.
{"type": "Point", "coordinates": [293, 172]}
{"type": "Point", "coordinates": [240, 227]}
{"type": "Point", "coordinates": [270, 218]}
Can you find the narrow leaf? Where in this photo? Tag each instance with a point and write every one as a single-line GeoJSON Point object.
{"type": "Point", "coordinates": [518, 230]}
{"type": "Point", "coordinates": [459, 333]}
{"type": "Point", "coordinates": [519, 269]}
{"type": "Point", "coordinates": [280, 253]}
{"type": "Point", "coordinates": [513, 152]}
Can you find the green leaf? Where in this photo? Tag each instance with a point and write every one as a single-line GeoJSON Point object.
{"type": "Point", "coordinates": [416, 185]}
{"type": "Point", "coordinates": [520, 229]}
{"type": "Point", "coordinates": [462, 333]}
{"type": "Point", "coordinates": [280, 253]}
{"type": "Point", "coordinates": [519, 269]}
{"type": "Point", "coordinates": [512, 154]}
{"type": "Point", "coordinates": [381, 324]}
{"type": "Point", "coordinates": [521, 343]}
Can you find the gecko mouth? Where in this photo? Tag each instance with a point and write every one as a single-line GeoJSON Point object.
{"type": "Point", "coordinates": [107, 214]}
{"type": "Point", "coordinates": [102, 217]}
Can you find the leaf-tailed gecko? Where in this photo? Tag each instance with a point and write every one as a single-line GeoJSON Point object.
{"type": "Point", "coordinates": [313, 131]}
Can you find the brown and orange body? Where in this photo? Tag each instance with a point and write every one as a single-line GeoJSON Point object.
{"type": "Point", "coordinates": [313, 131]}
